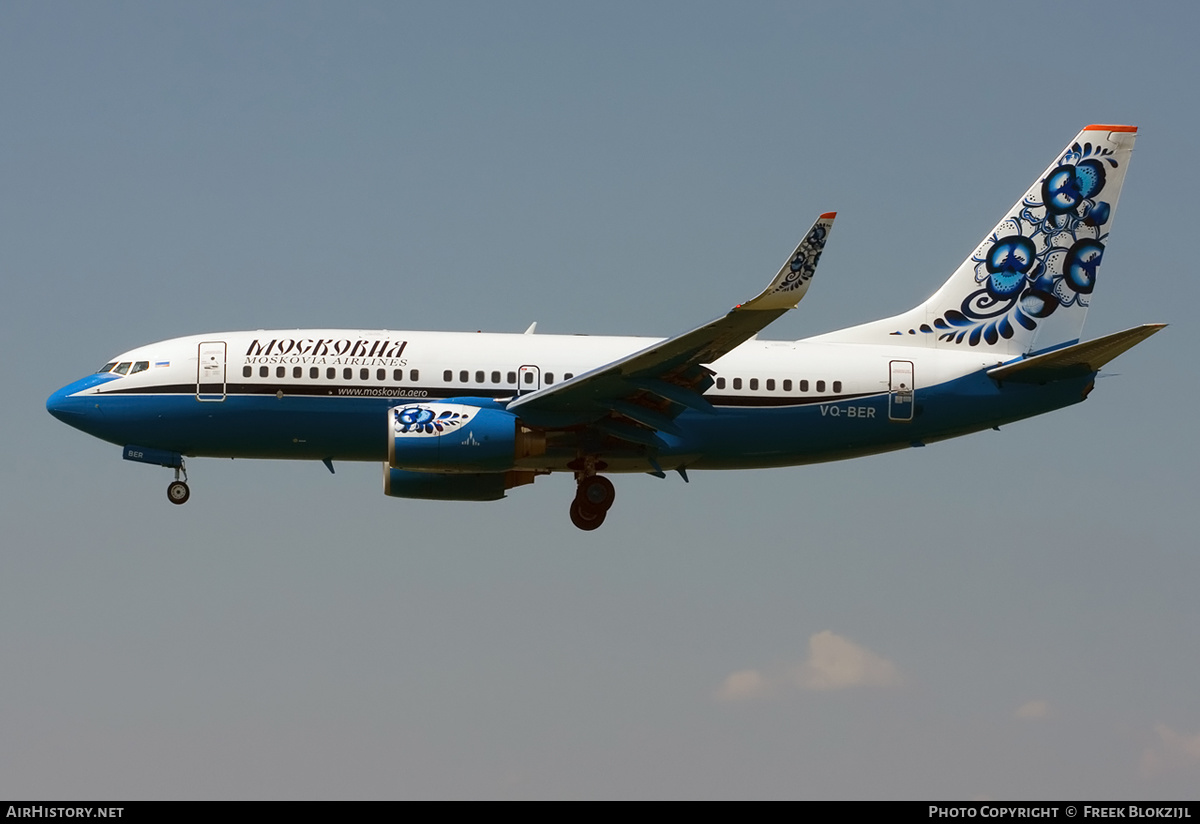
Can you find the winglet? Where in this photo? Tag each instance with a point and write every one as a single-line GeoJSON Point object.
{"type": "Point", "coordinates": [792, 282]}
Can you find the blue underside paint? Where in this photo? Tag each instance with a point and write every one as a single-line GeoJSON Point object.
{"type": "Point", "coordinates": [357, 429]}
{"type": "Point", "coordinates": [824, 432]}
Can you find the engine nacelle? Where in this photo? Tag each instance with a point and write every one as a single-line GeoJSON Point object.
{"type": "Point", "coordinates": [440, 486]}
{"type": "Point", "coordinates": [455, 437]}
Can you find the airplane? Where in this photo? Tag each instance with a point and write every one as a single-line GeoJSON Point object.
{"type": "Point", "coordinates": [468, 416]}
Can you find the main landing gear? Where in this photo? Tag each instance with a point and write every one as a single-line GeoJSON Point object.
{"type": "Point", "coordinates": [177, 490]}
{"type": "Point", "coordinates": [594, 495]}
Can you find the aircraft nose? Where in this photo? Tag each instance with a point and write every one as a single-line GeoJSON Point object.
{"type": "Point", "coordinates": [68, 406]}
{"type": "Point", "coordinates": [62, 406]}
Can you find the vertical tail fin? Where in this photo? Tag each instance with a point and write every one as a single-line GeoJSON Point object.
{"type": "Point", "coordinates": [1027, 286]}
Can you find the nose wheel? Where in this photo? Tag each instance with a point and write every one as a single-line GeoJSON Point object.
{"type": "Point", "coordinates": [177, 490]}
{"type": "Point", "coordinates": [594, 496]}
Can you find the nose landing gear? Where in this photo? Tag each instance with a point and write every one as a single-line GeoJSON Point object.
{"type": "Point", "coordinates": [594, 496]}
{"type": "Point", "coordinates": [177, 490]}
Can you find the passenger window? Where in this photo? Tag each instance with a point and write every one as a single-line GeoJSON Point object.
{"type": "Point", "coordinates": [330, 373]}
{"type": "Point", "coordinates": [770, 384]}
{"type": "Point", "coordinates": [108, 367]}
{"type": "Point", "coordinates": [347, 374]}
{"type": "Point", "coordinates": [720, 383]}
{"type": "Point", "coordinates": [247, 371]}
{"type": "Point", "coordinates": [528, 377]}
{"type": "Point", "coordinates": [464, 376]}
{"type": "Point", "coordinates": [364, 374]}
{"type": "Point", "coordinates": [549, 377]}
{"type": "Point", "coordinates": [787, 385]}
{"type": "Point", "coordinates": [263, 371]}
{"type": "Point", "coordinates": [140, 366]}
{"type": "Point", "coordinates": [754, 383]}
{"type": "Point", "coordinates": [479, 376]}
{"type": "Point", "coordinates": [280, 371]}
{"type": "Point", "coordinates": [297, 371]}
{"type": "Point", "coordinates": [495, 377]}
{"type": "Point", "coordinates": [803, 386]}
{"type": "Point", "coordinates": [512, 377]}
{"type": "Point", "coordinates": [414, 374]}
{"type": "Point", "coordinates": [447, 376]}
{"type": "Point", "coordinates": [820, 386]}
{"type": "Point", "coordinates": [837, 386]}
{"type": "Point", "coordinates": [737, 383]}
{"type": "Point", "coordinates": [398, 375]}
{"type": "Point", "coordinates": [314, 372]}
{"type": "Point", "coordinates": [381, 375]}
{"type": "Point", "coordinates": [122, 368]}
{"type": "Point", "coordinates": [568, 376]}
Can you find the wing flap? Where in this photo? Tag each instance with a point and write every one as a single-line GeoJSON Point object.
{"type": "Point", "coordinates": [674, 393]}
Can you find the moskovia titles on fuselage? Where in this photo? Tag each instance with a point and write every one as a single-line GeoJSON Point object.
{"type": "Point", "coordinates": [360, 352]}
{"type": "Point", "coordinates": [468, 416]}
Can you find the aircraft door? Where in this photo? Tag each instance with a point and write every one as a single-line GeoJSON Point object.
{"type": "Point", "coordinates": [210, 371]}
{"type": "Point", "coordinates": [529, 379]}
{"type": "Point", "coordinates": [900, 391]}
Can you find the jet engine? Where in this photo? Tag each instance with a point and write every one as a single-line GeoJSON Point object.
{"type": "Point", "coordinates": [440, 486]}
{"type": "Point", "coordinates": [458, 438]}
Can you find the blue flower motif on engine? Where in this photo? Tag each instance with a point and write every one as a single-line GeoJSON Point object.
{"type": "Point", "coordinates": [424, 420]}
{"type": "Point", "coordinates": [1043, 257]}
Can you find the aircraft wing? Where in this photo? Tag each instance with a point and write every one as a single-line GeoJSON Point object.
{"type": "Point", "coordinates": [639, 394]}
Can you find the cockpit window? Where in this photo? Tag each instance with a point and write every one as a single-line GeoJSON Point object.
{"type": "Point", "coordinates": [140, 366]}
{"type": "Point", "coordinates": [122, 368]}
{"type": "Point", "coordinates": [108, 367]}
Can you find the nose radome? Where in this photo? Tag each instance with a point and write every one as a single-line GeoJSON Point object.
{"type": "Point", "coordinates": [60, 405]}
{"type": "Point", "coordinates": [72, 410]}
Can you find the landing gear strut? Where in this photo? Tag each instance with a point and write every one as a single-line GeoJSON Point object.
{"type": "Point", "coordinates": [177, 490]}
{"type": "Point", "coordinates": [594, 495]}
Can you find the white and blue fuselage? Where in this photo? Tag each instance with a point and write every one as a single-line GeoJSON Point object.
{"type": "Point", "coordinates": [291, 395]}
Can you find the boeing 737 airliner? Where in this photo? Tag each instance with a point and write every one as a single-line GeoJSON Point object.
{"type": "Point", "coordinates": [465, 417]}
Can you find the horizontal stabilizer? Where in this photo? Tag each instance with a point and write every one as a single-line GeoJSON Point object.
{"type": "Point", "coordinates": [1072, 361]}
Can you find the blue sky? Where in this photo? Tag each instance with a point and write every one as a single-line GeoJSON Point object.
{"type": "Point", "coordinates": [1009, 615]}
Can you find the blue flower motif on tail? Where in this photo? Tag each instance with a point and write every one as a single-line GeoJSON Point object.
{"type": "Point", "coordinates": [1008, 262]}
{"type": "Point", "coordinates": [1041, 258]}
{"type": "Point", "coordinates": [1068, 186]}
